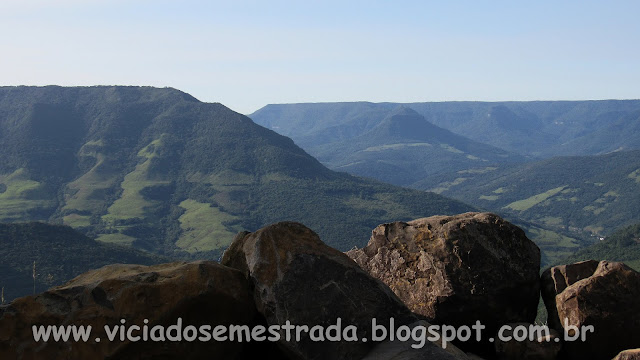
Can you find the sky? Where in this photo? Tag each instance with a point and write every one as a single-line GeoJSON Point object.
{"type": "Point", "coordinates": [247, 54]}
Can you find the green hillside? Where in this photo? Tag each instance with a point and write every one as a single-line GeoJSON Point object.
{"type": "Point", "coordinates": [404, 148]}
{"type": "Point", "coordinates": [583, 195]}
{"type": "Point", "coordinates": [623, 245]}
{"type": "Point", "coordinates": [160, 170]}
{"type": "Point", "coordinates": [60, 254]}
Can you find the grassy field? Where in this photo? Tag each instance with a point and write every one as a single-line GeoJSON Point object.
{"type": "Point", "coordinates": [553, 245]}
{"type": "Point", "coordinates": [447, 185]}
{"type": "Point", "coordinates": [116, 238]}
{"type": "Point", "coordinates": [20, 196]}
{"type": "Point", "coordinates": [86, 193]}
{"type": "Point", "coordinates": [526, 204]}
{"type": "Point", "coordinates": [132, 203]}
{"type": "Point", "coordinates": [635, 176]}
{"type": "Point", "coordinates": [396, 146]}
{"type": "Point", "coordinates": [203, 227]}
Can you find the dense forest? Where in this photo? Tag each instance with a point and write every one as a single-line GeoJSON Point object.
{"type": "Point", "coordinates": [162, 171]}
{"type": "Point", "coordinates": [35, 256]}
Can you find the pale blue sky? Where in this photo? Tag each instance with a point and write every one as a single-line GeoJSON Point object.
{"type": "Point", "coordinates": [246, 54]}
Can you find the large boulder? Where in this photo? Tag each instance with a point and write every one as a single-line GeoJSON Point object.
{"type": "Point", "coordinates": [457, 269]}
{"type": "Point", "coordinates": [299, 279]}
{"type": "Point", "coordinates": [633, 354]}
{"type": "Point", "coordinates": [558, 278]}
{"type": "Point", "coordinates": [199, 293]}
{"type": "Point", "coordinates": [607, 300]}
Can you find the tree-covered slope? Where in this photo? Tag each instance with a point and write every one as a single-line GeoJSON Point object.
{"type": "Point", "coordinates": [593, 194]}
{"type": "Point", "coordinates": [404, 148]}
{"type": "Point", "coordinates": [158, 169]}
{"type": "Point", "coordinates": [59, 252]}
{"type": "Point", "coordinates": [623, 245]}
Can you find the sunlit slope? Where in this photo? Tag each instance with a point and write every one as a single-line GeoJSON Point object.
{"type": "Point", "coordinates": [591, 194]}
{"type": "Point", "coordinates": [158, 169]}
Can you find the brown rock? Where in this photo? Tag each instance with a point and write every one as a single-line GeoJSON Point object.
{"type": "Point", "coordinates": [540, 344]}
{"type": "Point", "coordinates": [558, 278]}
{"type": "Point", "coordinates": [457, 269]}
{"type": "Point", "coordinates": [412, 350]}
{"type": "Point", "coordinates": [472, 356]}
{"type": "Point", "coordinates": [297, 278]}
{"type": "Point", "coordinates": [198, 293]}
{"type": "Point", "coordinates": [633, 354]}
{"type": "Point", "coordinates": [608, 301]}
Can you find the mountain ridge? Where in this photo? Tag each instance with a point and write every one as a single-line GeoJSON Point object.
{"type": "Point", "coordinates": [160, 170]}
{"type": "Point", "coordinates": [546, 124]}
{"type": "Point", "coordinates": [403, 148]}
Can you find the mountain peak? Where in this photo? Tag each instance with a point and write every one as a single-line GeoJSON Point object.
{"type": "Point", "coordinates": [404, 122]}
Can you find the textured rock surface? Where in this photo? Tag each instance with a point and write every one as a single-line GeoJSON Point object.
{"type": "Point", "coordinates": [543, 347]}
{"type": "Point", "coordinates": [558, 278]}
{"type": "Point", "coordinates": [633, 354]}
{"type": "Point", "coordinates": [297, 277]}
{"type": "Point", "coordinates": [607, 300]}
{"type": "Point", "coordinates": [457, 269]}
{"type": "Point", "coordinates": [403, 350]}
{"type": "Point", "coordinates": [198, 292]}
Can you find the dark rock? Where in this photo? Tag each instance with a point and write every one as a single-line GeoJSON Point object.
{"type": "Point", "coordinates": [405, 350]}
{"type": "Point", "coordinates": [297, 278]}
{"type": "Point", "coordinates": [546, 346]}
{"type": "Point", "coordinates": [608, 301]}
{"type": "Point", "coordinates": [558, 278]}
{"type": "Point", "coordinates": [458, 269]}
{"type": "Point", "coordinates": [199, 293]}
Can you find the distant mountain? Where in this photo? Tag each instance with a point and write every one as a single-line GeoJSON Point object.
{"type": "Point", "coordinates": [539, 129]}
{"type": "Point", "coordinates": [387, 142]}
{"type": "Point", "coordinates": [619, 135]}
{"type": "Point", "coordinates": [160, 170]}
{"type": "Point", "coordinates": [623, 245]}
{"type": "Point", "coordinates": [592, 194]}
{"type": "Point", "coordinates": [60, 254]}
{"type": "Point", "coordinates": [404, 148]}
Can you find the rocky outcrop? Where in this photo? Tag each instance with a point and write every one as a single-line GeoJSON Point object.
{"type": "Point", "coordinates": [539, 344]}
{"type": "Point", "coordinates": [633, 354]}
{"type": "Point", "coordinates": [297, 278]}
{"type": "Point", "coordinates": [607, 300]}
{"type": "Point", "coordinates": [558, 278]}
{"type": "Point", "coordinates": [415, 350]}
{"type": "Point", "coordinates": [457, 269]}
{"type": "Point", "coordinates": [199, 293]}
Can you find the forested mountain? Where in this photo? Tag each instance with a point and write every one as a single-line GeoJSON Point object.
{"type": "Point", "coordinates": [404, 148]}
{"type": "Point", "coordinates": [562, 202]}
{"type": "Point", "coordinates": [593, 194]}
{"type": "Point", "coordinates": [160, 170]}
{"type": "Point", "coordinates": [59, 252]}
{"type": "Point", "coordinates": [535, 129]}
